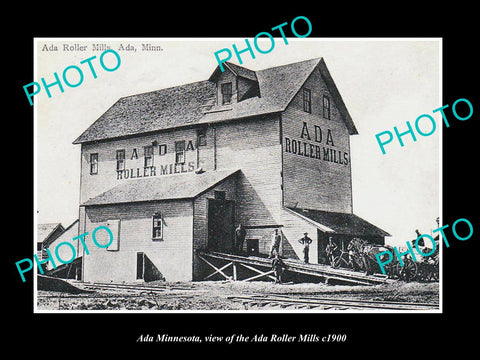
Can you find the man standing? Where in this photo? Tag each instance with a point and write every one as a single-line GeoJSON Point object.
{"type": "Point", "coordinates": [305, 241]}
{"type": "Point", "coordinates": [330, 250]}
{"type": "Point", "coordinates": [278, 267]}
{"type": "Point", "coordinates": [240, 234]}
{"type": "Point", "coordinates": [275, 246]}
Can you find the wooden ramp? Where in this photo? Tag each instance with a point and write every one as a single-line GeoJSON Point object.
{"type": "Point", "coordinates": [263, 268]}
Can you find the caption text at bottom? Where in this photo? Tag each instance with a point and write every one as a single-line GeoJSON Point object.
{"type": "Point", "coordinates": [240, 338]}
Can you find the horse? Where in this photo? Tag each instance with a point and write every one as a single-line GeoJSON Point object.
{"type": "Point", "coordinates": [363, 255]}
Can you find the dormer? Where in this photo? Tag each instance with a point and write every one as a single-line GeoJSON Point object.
{"type": "Point", "coordinates": [235, 84]}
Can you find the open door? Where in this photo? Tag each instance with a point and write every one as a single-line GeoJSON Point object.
{"type": "Point", "coordinates": [146, 269]}
{"type": "Point", "coordinates": [221, 225]}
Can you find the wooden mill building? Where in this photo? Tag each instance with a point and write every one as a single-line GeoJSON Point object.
{"type": "Point", "coordinates": [171, 172]}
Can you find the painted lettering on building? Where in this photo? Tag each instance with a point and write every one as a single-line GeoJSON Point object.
{"type": "Point", "coordinates": [309, 145]}
{"type": "Point", "coordinates": [156, 160]}
{"type": "Point", "coordinates": [146, 171]}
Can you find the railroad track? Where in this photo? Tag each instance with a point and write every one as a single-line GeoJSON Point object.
{"type": "Point", "coordinates": [320, 303]}
{"type": "Point", "coordinates": [251, 301]}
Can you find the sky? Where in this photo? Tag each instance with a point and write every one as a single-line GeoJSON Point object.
{"type": "Point", "coordinates": [383, 82]}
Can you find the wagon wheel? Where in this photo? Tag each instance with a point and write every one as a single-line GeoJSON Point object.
{"type": "Point", "coordinates": [399, 271]}
{"type": "Point", "coordinates": [339, 260]}
{"type": "Point", "coordinates": [408, 271]}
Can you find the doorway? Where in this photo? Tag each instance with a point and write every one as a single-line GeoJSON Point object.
{"type": "Point", "coordinates": [221, 225]}
{"type": "Point", "coordinates": [146, 269]}
{"type": "Point", "coordinates": [253, 247]}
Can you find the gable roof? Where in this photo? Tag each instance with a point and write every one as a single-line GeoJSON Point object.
{"type": "Point", "coordinates": [67, 234]}
{"type": "Point", "coordinates": [45, 231]}
{"type": "Point", "coordinates": [337, 98]}
{"type": "Point", "coordinates": [278, 85]}
{"type": "Point", "coordinates": [237, 70]}
{"type": "Point", "coordinates": [341, 223]}
{"type": "Point", "coordinates": [281, 83]}
{"type": "Point", "coordinates": [165, 187]}
{"type": "Point", "coordinates": [152, 111]}
{"type": "Point", "coordinates": [193, 104]}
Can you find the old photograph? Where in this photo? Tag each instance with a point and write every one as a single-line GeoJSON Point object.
{"type": "Point", "coordinates": [212, 175]}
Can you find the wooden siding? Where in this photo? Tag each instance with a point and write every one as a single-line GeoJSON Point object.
{"type": "Point", "coordinates": [253, 146]}
{"type": "Point", "coordinates": [264, 237]}
{"type": "Point", "coordinates": [106, 178]}
{"type": "Point", "coordinates": [317, 175]}
{"type": "Point", "coordinates": [257, 147]}
{"type": "Point", "coordinates": [206, 153]}
{"type": "Point", "coordinates": [172, 255]}
{"type": "Point", "coordinates": [247, 88]}
{"type": "Point", "coordinates": [200, 220]}
{"type": "Point", "coordinates": [293, 230]}
{"type": "Point", "coordinates": [64, 251]}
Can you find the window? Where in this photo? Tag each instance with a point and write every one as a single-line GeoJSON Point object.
{"type": "Point", "coordinates": [180, 152]}
{"type": "Point", "coordinates": [120, 160]}
{"type": "Point", "coordinates": [226, 93]}
{"type": "Point", "coordinates": [157, 226]}
{"type": "Point", "coordinates": [307, 101]}
{"type": "Point", "coordinates": [201, 137]}
{"type": "Point", "coordinates": [148, 151]}
{"type": "Point", "coordinates": [93, 163]}
{"type": "Point", "coordinates": [326, 107]}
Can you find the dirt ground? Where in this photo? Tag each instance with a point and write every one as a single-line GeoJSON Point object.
{"type": "Point", "coordinates": [213, 295]}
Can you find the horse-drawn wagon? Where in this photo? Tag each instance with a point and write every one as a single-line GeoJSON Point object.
{"type": "Point", "coordinates": [427, 267]}
{"type": "Point", "coordinates": [361, 256]}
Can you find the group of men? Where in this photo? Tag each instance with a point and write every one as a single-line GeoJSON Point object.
{"type": "Point", "coordinates": [278, 266]}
